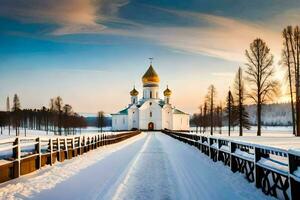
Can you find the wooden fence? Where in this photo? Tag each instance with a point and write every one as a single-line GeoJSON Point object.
{"type": "Point", "coordinates": [275, 171]}
{"type": "Point", "coordinates": [23, 155]}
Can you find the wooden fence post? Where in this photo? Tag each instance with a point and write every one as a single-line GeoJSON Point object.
{"type": "Point", "coordinates": [66, 147]}
{"type": "Point", "coordinates": [51, 151]}
{"type": "Point", "coordinates": [233, 165]}
{"type": "Point", "coordinates": [38, 150]}
{"type": "Point", "coordinates": [294, 164]}
{"type": "Point", "coordinates": [58, 150]}
{"type": "Point", "coordinates": [17, 157]}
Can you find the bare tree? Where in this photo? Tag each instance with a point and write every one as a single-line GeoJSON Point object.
{"type": "Point", "coordinates": [239, 91]}
{"type": "Point", "coordinates": [204, 117]}
{"type": "Point", "coordinates": [291, 58]}
{"type": "Point", "coordinates": [8, 114]}
{"type": "Point", "coordinates": [101, 120]}
{"type": "Point", "coordinates": [67, 121]}
{"type": "Point", "coordinates": [58, 103]}
{"type": "Point", "coordinates": [260, 76]}
{"type": "Point", "coordinates": [210, 97]}
{"type": "Point", "coordinates": [287, 62]}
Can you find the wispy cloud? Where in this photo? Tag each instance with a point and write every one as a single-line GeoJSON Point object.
{"type": "Point", "coordinates": [220, 37]}
{"type": "Point", "coordinates": [216, 36]}
{"type": "Point", "coordinates": [70, 16]}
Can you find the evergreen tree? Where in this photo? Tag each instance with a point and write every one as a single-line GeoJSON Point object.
{"type": "Point", "coordinates": [240, 113]}
{"type": "Point", "coordinates": [229, 110]}
{"type": "Point", "coordinates": [16, 113]}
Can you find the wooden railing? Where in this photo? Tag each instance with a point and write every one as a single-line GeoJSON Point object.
{"type": "Point", "coordinates": [275, 171]}
{"type": "Point", "coordinates": [23, 155]}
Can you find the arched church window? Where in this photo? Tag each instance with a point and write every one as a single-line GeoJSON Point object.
{"type": "Point", "coordinates": [124, 120]}
{"type": "Point", "coordinates": [156, 94]}
{"type": "Point", "coordinates": [150, 114]}
{"type": "Point", "coordinates": [150, 94]}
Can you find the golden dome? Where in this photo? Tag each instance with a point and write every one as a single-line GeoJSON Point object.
{"type": "Point", "coordinates": [150, 76]}
{"type": "Point", "coordinates": [167, 92]}
{"type": "Point", "coordinates": [134, 92]}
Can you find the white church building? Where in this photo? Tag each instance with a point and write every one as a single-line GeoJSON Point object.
{"type": "Point", "coordinates": [150, 112]}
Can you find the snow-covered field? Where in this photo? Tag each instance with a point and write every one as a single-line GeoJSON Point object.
{"type": "Point", "coordinates": [149, 166]}
{"type": "Point", "coordinates": [35, 133]}
{"type": "Point", "coordinates": [280, 137]}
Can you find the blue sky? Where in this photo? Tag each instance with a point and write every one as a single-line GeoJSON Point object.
{"type": "Point", "coordinates": [92, 52]}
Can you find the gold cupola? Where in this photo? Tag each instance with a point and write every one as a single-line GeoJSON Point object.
{"type": "Point", "coordinates": [134, 92]}
{"type": "Point", "coordinates": [167, 92]}
{"type": "Point", "coordinates": [150, 76]}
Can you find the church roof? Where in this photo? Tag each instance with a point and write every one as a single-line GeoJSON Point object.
{"type": "Point", "coordinates": [167, 92]}
{"type": "Point", "coordinates": [176, 111]}
{"type": "Point", "coordinates": [122, 112]}
{"type": "Point", "coordinates": [150, 76]}
{"type": "Point", "coordinates": [134, 92]}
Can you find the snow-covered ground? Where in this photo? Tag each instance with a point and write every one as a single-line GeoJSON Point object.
{"type": "Point", "coordinates": [88, 130]}
{"type": "Point", "coordinates": [149, 166]}
{"type": "Point", "coordinates": [280, 137]}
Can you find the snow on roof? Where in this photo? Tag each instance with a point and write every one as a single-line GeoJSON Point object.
{"type": "Point", "coordinates": [176, 111]}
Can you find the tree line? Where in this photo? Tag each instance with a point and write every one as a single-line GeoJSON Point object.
{"type": "Point", "coordinates": [59, 118]}
{"type": "Point", "coordinates": [258, 85]}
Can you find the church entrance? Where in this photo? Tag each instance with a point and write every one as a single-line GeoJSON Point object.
{"type": "Point", "coordinates": [150, 126]}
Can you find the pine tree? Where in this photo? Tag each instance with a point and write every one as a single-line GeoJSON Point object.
{"type": "Point", "coordinates": [16, 113]}
{"type": "Point", "coordinates": [240, 113]}
{"type": "Point", "coordinates": [229, 110]}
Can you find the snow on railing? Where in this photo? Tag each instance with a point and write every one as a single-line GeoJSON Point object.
{"type": "Point", "coordinates": [275, 171]}
{"type": "Point", "coordinates": [22, 155]}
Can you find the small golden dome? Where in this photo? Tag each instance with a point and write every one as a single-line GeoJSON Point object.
{"type": "Point", "coordinates": [150, 76]}
{"type": "Point", "coordinates": [134, 92]}
{"type": "Point", "coordinates": [167, 92]}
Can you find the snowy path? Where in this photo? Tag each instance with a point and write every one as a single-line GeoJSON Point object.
{"type": "Point", "coordinates": [150, 166]}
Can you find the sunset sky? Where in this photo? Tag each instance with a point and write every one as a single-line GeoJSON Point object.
{"type": "Point", "coordinates": [92, 52]}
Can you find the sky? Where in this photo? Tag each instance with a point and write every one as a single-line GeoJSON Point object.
{"type": "Point", "coordinates": [92, 52]}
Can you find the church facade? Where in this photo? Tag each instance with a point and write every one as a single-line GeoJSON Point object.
{"type": "Point", "coordinates": [150, 112]}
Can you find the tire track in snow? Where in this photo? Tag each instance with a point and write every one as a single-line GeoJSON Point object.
{"type": "Point", "coordinates": [121, 187]}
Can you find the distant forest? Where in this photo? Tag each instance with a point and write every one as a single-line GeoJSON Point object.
{"type": "Point", "coordinates": [276, 114]}
{"type": "Point", "coordinates": [93, 121]}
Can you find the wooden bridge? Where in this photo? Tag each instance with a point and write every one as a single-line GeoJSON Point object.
{"type": "Point", "coordinates": [23, 155]}
{"type": "Point", "coordinates": [273, 170]}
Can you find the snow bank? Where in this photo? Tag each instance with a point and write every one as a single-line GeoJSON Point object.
{"type": "Point", "coordinates": [49, 176]}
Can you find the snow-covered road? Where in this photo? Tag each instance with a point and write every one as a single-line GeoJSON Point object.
{"type": "Point", "coordinates": [150, 166]}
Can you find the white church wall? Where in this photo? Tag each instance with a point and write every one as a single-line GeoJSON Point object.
{"type": "Point", "coordinates": [119, 122]}
{"type": "Point", "coordinates": [181, 122]}
{"type": "Point", "coordinates": [150, 111]}
{"type": "Point", "coordinates": [167, 120]}
{"type": "Point", "coordinates": [151, 92]}
{"type": "Point", "coordinates": [133, 118]}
